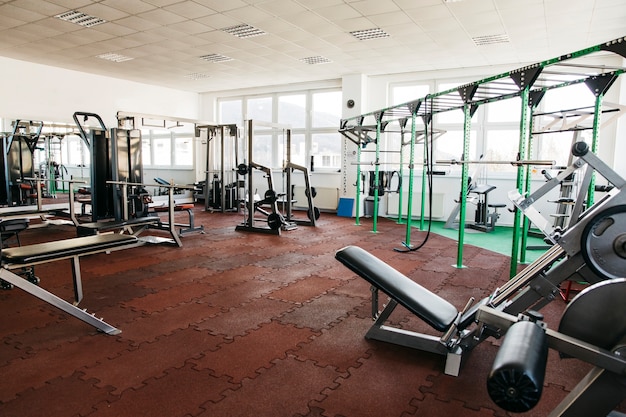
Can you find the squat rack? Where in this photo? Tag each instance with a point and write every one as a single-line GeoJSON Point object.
{"type": "Point", "coordinates": [530, 83]}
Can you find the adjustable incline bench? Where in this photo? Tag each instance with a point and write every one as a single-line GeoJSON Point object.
{"type": "Point", "coordinates": [434, 310]}
{"type": "Point", "coordinates": [73, 249]}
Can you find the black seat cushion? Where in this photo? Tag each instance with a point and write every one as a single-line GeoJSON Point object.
{"type": "Point", "coordinates": [425, 304]}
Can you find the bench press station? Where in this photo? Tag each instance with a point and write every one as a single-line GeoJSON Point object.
{"type": "Point", "coordinates": [592, 249]}
{"type": "Point", "coordinates": [72, 249]}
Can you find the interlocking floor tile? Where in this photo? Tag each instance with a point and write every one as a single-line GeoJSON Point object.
{"type": "Point", "coordinates": [242, 324]}
{"type": "Point", "coordinates": [266, 395]}
{"type": "Point", "coordinates": [246, 354]}
{"type": "Point", "coordinates": [180, 392]}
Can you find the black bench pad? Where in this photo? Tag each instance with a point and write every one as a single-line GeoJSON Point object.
{"type": "Point", "coordinates": [50, 251]}
{"type": "Point", "coordinates": [427, 305]}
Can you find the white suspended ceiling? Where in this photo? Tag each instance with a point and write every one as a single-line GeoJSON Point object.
{"type": "Point", "coordinates": [192, 44]}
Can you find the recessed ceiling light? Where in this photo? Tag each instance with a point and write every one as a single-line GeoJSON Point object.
{"type": "Point", "coordinates": [314, 60]}
{"type": "Point", "coordinates": [491, 39]}
{"type": "Point", "coordinates": [79, 18]}
{"type": "Point", "coordinates": [114, 57]}
{"type": "Point", "coordinates": [196, 76]}
{"type": "Point", "coordinates": [244, 31]}
{"type": "Point", "coordinates": [367, 34]}
{"type": "Point", "coordinates": [216, 58]}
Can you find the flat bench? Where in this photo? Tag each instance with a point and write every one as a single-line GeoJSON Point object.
{"type": "Point", "coordinates": [30, 255]}
{"type": "Point", "coordinates": [428, 306]}
{"type": "Point", "coordinates": [94, 228]}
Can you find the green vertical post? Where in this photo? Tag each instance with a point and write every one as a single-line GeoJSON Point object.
{"type": "Point", "coordinates": [427, 121]}
{"type": "Point", "coordinates": [357, 197]}
{"type": "Point", "coordinates": [409, 210]}
{"type": "Point", "coordinates": [594, 145]}
{"type": "Point", "coordinates": [527, 186]}
{"type": "Point", "coordinates": [400, 171]}
{"type": "Point", "coordinates": [379, 117]}
{"type": "Point", "coordinates": [525, 94]}
{"type": "Point", "coordinates": [467, 115]}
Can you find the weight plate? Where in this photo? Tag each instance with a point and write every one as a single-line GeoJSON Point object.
{"type": "Point", "coordinates": [270, 195]}
{"type": "Point", "coordinates": [603, 243]}
{"type": "Point", "coordinates": [242, 169]}
{"type": "Point", "coordinates": [597, 315]}
{"type": "Point", "coordinates": [273, 221]}
{"type": "Point", "coordinates": [313, 192]}
{"type": "Point", "coordinates": [316, 212]}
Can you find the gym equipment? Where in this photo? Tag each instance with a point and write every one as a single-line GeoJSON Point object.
{"type": "Point", "coordinates": [221, 186]}
{"type": "Point", "coordinates": [313, 213]}
{"type": "Point", "coordinates": [485, 220]}
{"type": "Point", "coordinates": [73, 249]}
{"type": "Point", "coordinates": [591, 249]}
{"type": "Point", "coordinates": [274, 219]}
{"type": "Point", "coordinates": [18, 164]}
{"type": "Point", "coordinates": [115, 156]}
{"type": "Point", "coordinates": [149, 220]}
{"type": "Point", "coordinates": [529, 83]}
{"type": "Point", "coordinates": [592, 329]}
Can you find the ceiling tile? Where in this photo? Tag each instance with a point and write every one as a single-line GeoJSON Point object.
{"type": "Point", "coordinates": [339, 12]}
{"type": "Point", "coordinates": [374, 7]}
{"type": "Point", "coordinates": [130, 7]}
{"type": "Point", "coordinates": [161, 17]}
{"type": "Point", "coordinates": [190, 9]}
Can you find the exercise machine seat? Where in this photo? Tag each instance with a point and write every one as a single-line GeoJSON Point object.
{"type": "Point", "coordinates": [425, 304]}
{"type": "Point", "coordinates": [48, 251]}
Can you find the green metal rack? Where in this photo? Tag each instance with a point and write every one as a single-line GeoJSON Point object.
{"type": "Point", "coordinates": [530, 83]}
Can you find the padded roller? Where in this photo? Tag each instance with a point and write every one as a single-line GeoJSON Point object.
{"type": "Point", "coordinates": [515, 382]}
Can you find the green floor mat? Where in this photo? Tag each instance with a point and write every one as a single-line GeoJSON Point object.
{"type": "Point", "coordinates": [499, 240]}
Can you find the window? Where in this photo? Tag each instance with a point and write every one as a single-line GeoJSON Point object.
{"type": "Point", "coordinates": [312, 115]}
{"type": "Point", "coordinates": [165, 148]}
{"type": "Point", "coordinates": [260, 109]}
{"type": "Point", "coordinates": [326, 150]}
{"type": "Point", "coordinates": [292, 110]}
{"type": "Point", "coordinates": [326, 109]}
{"type": "Point", "coordinates": [502, 145]}
{"type": "Point", "coordinates": [146, 148]}
{"type": "Point", "coordinates": [230, 112]}
{"type": "Point", "coordinates": [405, 93]}
{"type": "Point", "coordinates": [183, 151]}
{"type": "Point", "coordinates": [162, 150]}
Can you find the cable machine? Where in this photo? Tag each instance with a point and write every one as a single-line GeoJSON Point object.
{"type": "Point", "coordinates": [115, 157]}
{"type": "Point", "coordinates": [221, 185]}
{"type": "Point", "coordinates": [18, 171]}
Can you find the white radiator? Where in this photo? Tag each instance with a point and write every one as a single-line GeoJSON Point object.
{"type": "Point", "coordinates": [326, 198]}
{"type": "Point", "coordinates": [392, 204]}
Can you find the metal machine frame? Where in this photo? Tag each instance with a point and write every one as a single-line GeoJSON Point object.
{"type": "Point", "coordinates": [591, 249]}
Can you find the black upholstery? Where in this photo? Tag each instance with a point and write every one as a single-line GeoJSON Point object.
{"type": "Point", "coordinates": [431, 308]}
{"type": "Point", "coordinates": [62, 248]}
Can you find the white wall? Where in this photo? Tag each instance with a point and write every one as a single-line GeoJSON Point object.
{"type": "Point", "coordinates": [40, 92]}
